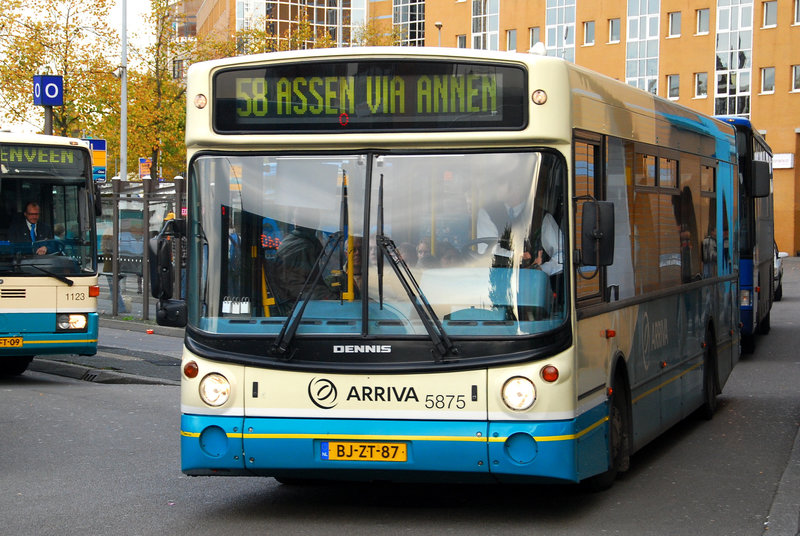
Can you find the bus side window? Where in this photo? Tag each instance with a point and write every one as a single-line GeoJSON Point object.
{"type": "Point", "coordinates": [587, 163]}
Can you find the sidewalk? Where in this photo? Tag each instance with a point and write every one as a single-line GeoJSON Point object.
{"type": "Point", "coordinates": [129, 350]}
{"type": "Point", "coordinates": [130, 295]}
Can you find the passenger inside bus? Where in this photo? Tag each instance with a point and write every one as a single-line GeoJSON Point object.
{"type": "Point", "coordinates": [296, 260]}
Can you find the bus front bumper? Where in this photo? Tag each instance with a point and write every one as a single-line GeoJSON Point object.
{"type": "Point", "coordinates": [39, 337]}
{"type": "Point", "coordinates": [396, 450]}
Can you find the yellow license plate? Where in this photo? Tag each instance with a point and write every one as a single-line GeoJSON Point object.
{"type": "Point", "coordinates": [363, 452]}
{"type": "Point", "coordinates": [10, 342]}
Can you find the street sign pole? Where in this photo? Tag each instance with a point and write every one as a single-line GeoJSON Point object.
{"type": "Point", "coordinates": [48, 91]}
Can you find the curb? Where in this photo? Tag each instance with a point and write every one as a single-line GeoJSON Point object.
{"type": "Point", "coordinates": [783, 518]}
{"type": "Point", "coordinates": [133, 325]}
{"type": "Point", "coordinates": [89, 374]}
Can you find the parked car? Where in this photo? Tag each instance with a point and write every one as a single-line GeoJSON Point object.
{"type": "Point", "coordinates": [778, 279]}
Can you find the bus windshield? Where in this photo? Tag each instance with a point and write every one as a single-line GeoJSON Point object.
{"type": "Point", "coordinates": [373, 243]}
{"type": "Point", "coordinates": [58, 202]}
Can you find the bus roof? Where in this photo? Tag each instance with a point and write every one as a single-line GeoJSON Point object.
{"type": "Point", "coordinates": [41, 139]}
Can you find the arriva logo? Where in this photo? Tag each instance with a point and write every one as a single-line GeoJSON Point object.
{"type": "Point", "coordinates": [362, 349]}
{"type": "Point", "coordinates": [322, 393]}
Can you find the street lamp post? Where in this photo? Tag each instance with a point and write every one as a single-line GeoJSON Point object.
{"type": "Point", "coordinates": [439, 25]}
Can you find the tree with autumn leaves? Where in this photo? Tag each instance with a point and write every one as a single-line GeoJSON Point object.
{"type": "Point", "coordinates": [74, 39]}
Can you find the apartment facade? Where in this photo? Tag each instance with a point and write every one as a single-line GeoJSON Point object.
{"type": "Point", "coordinates": [727, 57]}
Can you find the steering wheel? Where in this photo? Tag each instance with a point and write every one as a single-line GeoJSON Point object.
{"type": "Point", "coordinates": [57, 245]}
{"type": "Point", "coordinates": [470, 249]}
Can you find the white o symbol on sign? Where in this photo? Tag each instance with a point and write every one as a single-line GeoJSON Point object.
{"type": "Point", "coordinates": [51, 90]}
{"type": "Point", "coordinates": [37, 89]}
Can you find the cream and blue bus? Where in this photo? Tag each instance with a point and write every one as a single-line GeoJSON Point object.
{"type": "Point", "coordinates": [48, 257]}
{"type": "Point", "coordinates": [442, 264]}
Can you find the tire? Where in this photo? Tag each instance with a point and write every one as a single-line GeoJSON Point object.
{"type": "Point", "coordinates": [709, 406]}
{"type": "Point", "coordinates": [764, 326]}
{"type": "Point", "coordinates": [779, 291]}
{"type": "Point", "coordinates": [748, 344]}
{"type": "Point", "coordinates": [618, 438]}
{"type": "Point", "coordinates": [14, 366]}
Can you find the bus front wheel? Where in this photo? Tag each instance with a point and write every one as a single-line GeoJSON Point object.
{"type": "Point", "coordinates": [618, 437]}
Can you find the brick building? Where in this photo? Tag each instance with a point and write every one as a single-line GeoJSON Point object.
{"type": "Point", "coordinates": [732, 57]}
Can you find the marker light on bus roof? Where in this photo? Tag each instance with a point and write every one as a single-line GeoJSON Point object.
{"type": "Point", "coordinates": [215, 389]}
{"type": "Point", "coordinates": [519, 393]}
{"type": "Point", "coordinates": [200, 101]}
{"type": "Point", "coordinates": [539, 96]}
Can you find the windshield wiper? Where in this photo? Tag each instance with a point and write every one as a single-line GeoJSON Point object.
{"type": "Point", "coordinates": [442, 344]}
{"type": "Point", "coordinates": [61, 278]}
{"type": "Point", "coordinates": [290, 325]}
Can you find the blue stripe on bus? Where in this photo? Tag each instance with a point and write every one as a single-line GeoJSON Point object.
{"type": "Point", "coordinates": [507, 450]}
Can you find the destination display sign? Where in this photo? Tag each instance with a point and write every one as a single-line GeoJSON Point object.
{"type": "Point", "coordinates": [20, 158]}
{"type": "Point", "coordinates": [374, 95]}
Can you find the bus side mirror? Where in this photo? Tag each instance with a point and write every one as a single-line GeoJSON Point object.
{"type": "Point", "coordinates": [160, 250]}
{"type": "Point", "coordinates": [597, 233]}
{"type": "Point", "coordinates": [98, 203]}
{"type": "Point", "coordinates": [760, 186]}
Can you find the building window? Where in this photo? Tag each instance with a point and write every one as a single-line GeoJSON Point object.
{"type": "Point", "coordinates": [703, 21]}
{"type": "Point", "coordinates": [733, 64]}
{"type": "Point", "coordinates": [673, 86]}
{"type": "Point", "coordinates": [770, 14]}
{"type": "Point", "coordinates": [485, 24]}
{"type": "Point", "coordinates": [613, 30]}
{"type": "Point", "coordinates": [796, 12]}
{"type": "Point", "coordinates": [795, 77]}
{"type": "Point", "coordinates": [177, 69]}
{"type": "Point", "coordinates": [534, 35]}
{"type": "Point", "coordinates": [642, 43]}
{"type": "Point", "coordinates": [700, 85]}
{"type": "Point", "coordinates": [588, 32]}
{"type": "Point", "coordinates": [560, 29]}
{"type": "Point", "coordinates": [674, 29]}
{"type": "Point", "coordinates": [409, 17]}
{"type": "Point", "coordinates": [461, 41]}
{"type": "Point", "coordinates": [768, 80]}
{"type": "Point", "coordinates": [511, 40]}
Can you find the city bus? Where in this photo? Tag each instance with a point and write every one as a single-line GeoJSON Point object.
{"type": "Point", "coordinates": [487, 267]}
{"type": "Point", "coordinates": [48, 274]}
{"type": "Point", "coordinates": [756, 236]}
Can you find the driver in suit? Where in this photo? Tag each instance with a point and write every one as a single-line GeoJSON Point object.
{"type": "Point", "coordinates": [29, 230]}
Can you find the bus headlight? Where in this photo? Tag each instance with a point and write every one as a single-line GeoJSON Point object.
{"type": "Point", "coordinates": [215, 389]}
{"type": "Point", "coordinates": [519, 393]}
{"type": "Point", "coordinates": [69, 322]}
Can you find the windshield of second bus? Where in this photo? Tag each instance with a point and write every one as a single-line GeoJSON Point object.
{"type": "Point", "coordinates": [479, 237]}
{"type": "Point", "coordinates": [45, 227]}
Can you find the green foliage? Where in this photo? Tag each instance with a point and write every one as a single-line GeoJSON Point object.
{"type": "Point", "coordinates": [70, 38]}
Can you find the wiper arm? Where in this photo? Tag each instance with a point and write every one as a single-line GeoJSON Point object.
{"type": "Point", "coordinates": [442, 344]}
{"type": "Point", "coordinates": [292, 322]}
{"type": "Point", "coordinates": [61, 278]}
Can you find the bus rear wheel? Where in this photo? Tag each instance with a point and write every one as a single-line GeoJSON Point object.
{"type": "Point", "coordinates": [14, 366]}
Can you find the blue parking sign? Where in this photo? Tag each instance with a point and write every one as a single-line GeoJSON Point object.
{"type": "Point", "coordinates": [48, 90]}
